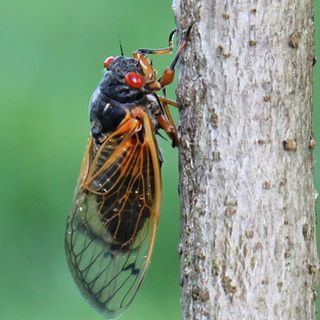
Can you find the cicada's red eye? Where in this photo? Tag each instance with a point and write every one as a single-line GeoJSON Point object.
{"type": "Point", "coordinates": [107, 62]}
{"type": "Point", "coordinates": [134, 80]}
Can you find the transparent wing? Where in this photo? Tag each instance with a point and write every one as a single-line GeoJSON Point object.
{"type": "Point", "coordinates": [111, 228]}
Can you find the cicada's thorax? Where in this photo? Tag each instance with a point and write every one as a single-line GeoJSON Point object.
{"type": "Point", "coordinates": [114, 98]}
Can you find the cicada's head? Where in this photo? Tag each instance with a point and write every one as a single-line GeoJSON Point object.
{"type": "Point", "coordinates": [124, 80]}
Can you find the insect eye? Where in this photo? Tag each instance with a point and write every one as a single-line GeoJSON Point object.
{"type": "Point", "coordinates": [107, 62]}
{"type": "Point", "coordinates": [134, 80]}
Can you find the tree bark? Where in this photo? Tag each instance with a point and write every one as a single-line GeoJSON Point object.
{"type": "Point", "coordinates": [248, 246]}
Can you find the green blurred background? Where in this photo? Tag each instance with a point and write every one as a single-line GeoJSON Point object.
{"type": "Point", "coordinates": [50, 62]}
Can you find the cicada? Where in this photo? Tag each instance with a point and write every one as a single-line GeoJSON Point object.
{"type": "Point", "coordinates": [112, 225]}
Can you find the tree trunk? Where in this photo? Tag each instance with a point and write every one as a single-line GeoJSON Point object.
{"type": "Point", "coordinates": [248, 247]}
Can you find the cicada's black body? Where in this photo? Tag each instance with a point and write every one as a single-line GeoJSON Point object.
{"type": "Point", "coordinates": [111, 102]}
{"type": "Point", "coordinates": [113, 97]}
{"type": "Point", "coordinates": [111, 227]}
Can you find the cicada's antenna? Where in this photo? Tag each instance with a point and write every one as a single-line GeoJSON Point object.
{"type": "Point", "coordinates": [121, 48]}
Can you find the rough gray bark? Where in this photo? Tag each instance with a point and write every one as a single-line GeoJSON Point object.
{"type": "Point", "coordinates": [248, 247]}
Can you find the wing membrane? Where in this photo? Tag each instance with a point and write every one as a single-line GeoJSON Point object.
{"type": "Point", "coordinates": [111, 228]}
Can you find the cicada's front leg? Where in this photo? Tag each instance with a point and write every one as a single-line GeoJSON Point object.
{"type": "Point", "coordinates": [150, 73]}
{"type": "Point", "coordinates": [167, 76]}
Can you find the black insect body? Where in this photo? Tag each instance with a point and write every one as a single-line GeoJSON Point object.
{"type": "Point", "coordinates": [113, 97]}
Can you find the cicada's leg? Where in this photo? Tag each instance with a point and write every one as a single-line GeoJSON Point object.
{"type": "Point", "coordinates": [164, 100]}
{"type": "Point", "coordinates": [164, 103]}
{"type": "Point", "coordinates": [168, 74]}
{"type": "Point", "coordinates": [149, 72]}
{"type": "Point", "coordinates": [169, 127]}
{"type": "Point", "coordinates": [160, 51]}
{"type": "Point", "coordinates": [165, 120]}
{"type": "Point", "coordinates": [146, 66]}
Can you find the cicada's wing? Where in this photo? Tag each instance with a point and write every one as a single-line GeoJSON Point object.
{"type": "Point", "coordinates": [111, 228]}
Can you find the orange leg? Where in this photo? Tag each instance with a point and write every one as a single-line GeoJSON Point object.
{"type": "Point", "coordinates": [169, 128]}
{"type": "Point", "coordinates": [149, 72]}
{"type": "Point", "coordinates": [164, 103]}
{"type": "Point", "coordinates": [168, 74]}
{"type": "Point", "coordinates": [147, 68]}
{"type": "Point", "coordinates": [168, 101]}
{"type": "Point", "coordinates": [160, 51]}
{"type": "Point", "coordinates": [166, 121]}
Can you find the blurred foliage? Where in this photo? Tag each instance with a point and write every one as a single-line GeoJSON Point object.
{"type": "Point", "coordinates": [51, 61]}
